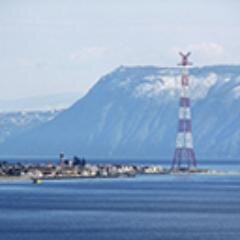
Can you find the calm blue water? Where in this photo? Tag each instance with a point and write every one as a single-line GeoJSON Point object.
{"type": "Point", "coordinates": [146, 207]}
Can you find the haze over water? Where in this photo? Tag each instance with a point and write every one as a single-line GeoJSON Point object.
{"type": "Point", "coordinates": [146, 207]}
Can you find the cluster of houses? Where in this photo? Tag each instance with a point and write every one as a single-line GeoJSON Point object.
{"type": "Point", "coordinates": [74, 168]}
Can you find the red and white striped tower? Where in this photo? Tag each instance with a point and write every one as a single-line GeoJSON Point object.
{"type": "Point", "coordinates": [184, 152]}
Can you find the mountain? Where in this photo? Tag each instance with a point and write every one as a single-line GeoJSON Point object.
{"type": "Point", "coordinates": [132, 113]}
{"type": "Point", "coordinates": [40, 103]}
{"type": "Point", "coordinates": [13, 124]}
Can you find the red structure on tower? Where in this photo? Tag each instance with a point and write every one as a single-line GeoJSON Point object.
{"type": "Point", "coordinates": [184, 152]}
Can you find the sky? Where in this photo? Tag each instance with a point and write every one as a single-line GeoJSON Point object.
{"type": "Point", "coordinates": [62, 46]}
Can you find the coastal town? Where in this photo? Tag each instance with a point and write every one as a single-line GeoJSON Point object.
{"type": "Point", "coordinates": [74, 168]}
{"type": "Point", "coordinates": [80, 168]}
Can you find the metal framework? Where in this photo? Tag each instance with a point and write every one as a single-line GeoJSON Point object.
{"type": "Point", "coordinates": [184, 152]}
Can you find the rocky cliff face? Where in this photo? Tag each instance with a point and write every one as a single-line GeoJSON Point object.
{"type": "Point", "coordinates": [132, 112]}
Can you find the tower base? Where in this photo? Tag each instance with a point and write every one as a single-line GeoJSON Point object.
{"type": "Point", "coordinates": [184, 156]}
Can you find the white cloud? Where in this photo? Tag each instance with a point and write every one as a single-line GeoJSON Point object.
{"type": "Point", "coordinates": [208, 49]}
{"type": "Point", "coordinates": [32, 63]}
{"type": "Point", "coordinates": [25, 62]}
{"type": "Point", "coordinates": [88, 53]}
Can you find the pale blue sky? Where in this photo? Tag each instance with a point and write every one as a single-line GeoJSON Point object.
{"type": "Point", "coordinates": [55, 46]}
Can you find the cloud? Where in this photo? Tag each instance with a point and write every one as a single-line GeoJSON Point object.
{"type": "Point", "coordinates": [32, 63]}
{"type": "Point", "coordinates": [25, 62]}
{"type": "Point", "coordinates": [208, 49]}
{"type": "Point", "coordinates": [88, 53]}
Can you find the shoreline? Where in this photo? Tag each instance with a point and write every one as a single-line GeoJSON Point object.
{"type": "Point", "coordinates": [71, 177]}
{"type": "Point", "coordinates": [80, 169]}
{"type": "Point", "coordinates": [13, 178]}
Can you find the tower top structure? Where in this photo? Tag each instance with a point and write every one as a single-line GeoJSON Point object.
{"type": "Point", "coordinates": [185, 61]}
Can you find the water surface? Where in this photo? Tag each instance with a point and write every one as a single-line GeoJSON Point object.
{"type": "Point", "coordinates": [146, 207]}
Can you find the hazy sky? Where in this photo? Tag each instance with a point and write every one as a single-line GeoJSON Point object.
{"type": "Point", "coordinates": [54, 46]}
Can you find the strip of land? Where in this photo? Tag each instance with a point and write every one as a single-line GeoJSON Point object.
{"type": "Point", "coordinates": [70, 169]}
{"type": "Point", "coordinates": [80, 169]}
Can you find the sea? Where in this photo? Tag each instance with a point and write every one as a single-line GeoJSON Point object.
{"type": "Point", "coordinates": [151, 207]}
